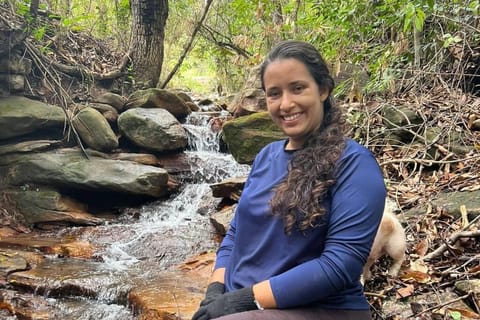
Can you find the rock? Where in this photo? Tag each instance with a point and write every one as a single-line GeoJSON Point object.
{"type": "Point", "coordinates": [153, 129]}
{"type": "Point", "coordinates": [66, 277]}
{"type": "Point", "coordinates": [15, 64]}
{"type": "Point", "coordinates": [25, 306]}
{"type": "Point", "coordinates": [112, 99]}
{"type": "Point", "coordinates": [158, 98]}
{"type": "Point", "coordinates": [53, 246]}
{"type": "Point", "coordinates": [175, 294]}
{"type": "Point", "coordinates": [251, 98]}
{"type": "Point", "coordinates": [28, 146]}
{"type": "Point", "coordinates": [467, 286]}
{"type": "Point", "coordinates": [48, 206]}
{"type": "Point", "coordinates": [221, 219]}
{"type": "Point", "coordinates": [108, 112]}
{"type": "Point", "coordinates": [94, 130]}
{"type": "Point", "coordinates": [68, 168]}
{"type": "Point", "coordinates": [450, 203]}
{"type": "Point", "coordinates": [245, 136]}
{"type": "Point", "coordinates": [20, 115]}
{"type": "Point", "coordinates": [141, 158]}
{"type": "Point", "coordinates": [397, 118]}
{"type": "Point", "coordinates": [229, 188]}
{"type": "Point", "coordinates": [193, 106]}
{"type": "Point", "coordinates": [10, 262]}
{"type": "Point", "coordinates": [14, 82]}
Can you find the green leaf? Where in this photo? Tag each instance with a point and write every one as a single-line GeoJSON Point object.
{"type": "Point", "coordinates": [456, 315]}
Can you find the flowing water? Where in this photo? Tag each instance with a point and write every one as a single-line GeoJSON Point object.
{"type": "Point", "coordinates": [162, 234]}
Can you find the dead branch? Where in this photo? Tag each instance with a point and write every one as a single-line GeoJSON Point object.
{"type": "Point", "coordinates": [453, 238]}
{"type": "Point", "coordinates": [38, 60]}
{"type": "Point", "coordinates": [211, 35]}
{"type": "Point", "coordinates": [189, 44]}
{"type": "Point", "coordinates": [82, 72]}
{"type": "Point", "coordinates": [441, 305]}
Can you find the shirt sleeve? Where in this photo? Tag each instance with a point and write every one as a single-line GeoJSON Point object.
{"type": "Point", "coordinates": [357, 203]}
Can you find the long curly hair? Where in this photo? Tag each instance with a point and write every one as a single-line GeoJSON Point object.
{"type": "Point", "coordinates": [299, 198]}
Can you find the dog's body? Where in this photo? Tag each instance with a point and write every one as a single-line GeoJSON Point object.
{"type": "Point", "coordinates": [390, 240]}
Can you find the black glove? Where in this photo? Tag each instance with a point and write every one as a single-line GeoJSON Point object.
{"type": "Point", "coordinates": [214, 290]}
{"type": "Point", "coordinates": [227, 303]}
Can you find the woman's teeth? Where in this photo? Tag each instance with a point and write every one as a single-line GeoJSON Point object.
{"type": "Point", "coordinates": [291, 117]}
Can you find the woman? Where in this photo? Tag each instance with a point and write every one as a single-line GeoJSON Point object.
{"type": "Point", "coordinates": [309, 210]}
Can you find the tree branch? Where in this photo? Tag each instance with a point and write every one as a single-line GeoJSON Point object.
{"type": "Point", "coordinates": [222, 44]}
{"type": "Point", "coordinates": [189, 44]}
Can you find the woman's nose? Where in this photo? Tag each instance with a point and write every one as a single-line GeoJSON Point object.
{"type": "Point", "coordinates": [287, 102]}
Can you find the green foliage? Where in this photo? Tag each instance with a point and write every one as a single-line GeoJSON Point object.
{"type": "Point", "coordinates": [382, 36]}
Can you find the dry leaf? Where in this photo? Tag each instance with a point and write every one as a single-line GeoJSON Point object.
{"type": "Point", "coordinates": [421, 248]}
{"type": "Point", "coordinates": [405, 291]}
{"type": "Point", "coordinates": [417, 276]}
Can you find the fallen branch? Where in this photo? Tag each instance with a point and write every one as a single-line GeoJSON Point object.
{"type": "Point", "coordinates": [441, 305]}
{"type": "Point", "coordinates": [453, 238]}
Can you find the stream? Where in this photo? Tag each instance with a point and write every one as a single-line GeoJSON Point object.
{"type": "Point", "coordinates": [136, 247]}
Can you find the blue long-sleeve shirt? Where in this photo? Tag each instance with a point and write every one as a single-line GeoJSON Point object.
{"type": "Point", "coordinates": [321, 266]}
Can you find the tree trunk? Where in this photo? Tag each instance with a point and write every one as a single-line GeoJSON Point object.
{"type": "Point", "coordinates": [148, 32]}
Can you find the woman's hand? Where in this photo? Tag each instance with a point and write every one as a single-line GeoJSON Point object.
{"type": "Point", "coordinates": [227, 303]}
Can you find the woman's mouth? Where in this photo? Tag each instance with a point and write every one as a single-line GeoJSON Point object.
{"type": "Point", "coordinates": [291, 117]}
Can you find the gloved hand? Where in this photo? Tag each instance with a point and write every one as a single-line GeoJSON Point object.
{"type": "Point", "coordinates": [227, 303]}
{"type": "Point", "coordinates": [214, 290]}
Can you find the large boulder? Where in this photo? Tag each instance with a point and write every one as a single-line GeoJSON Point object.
{"type": "Point", "coordinates": [68, 168]}
{"type": "Point", "coordinates": [245, 136]}
{"type": "Point", "coordinates": [153, 129]}
{"type": "Point", "coordinates": [20, 116]}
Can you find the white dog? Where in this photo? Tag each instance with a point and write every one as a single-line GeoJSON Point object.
{"type": "Point", "coordinates": [390, 240]}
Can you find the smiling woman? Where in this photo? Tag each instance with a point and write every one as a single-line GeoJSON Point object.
{"type": "Point", "coordinates": [294, 100]}
{"type": "Point", "coordinates": [308, 213]}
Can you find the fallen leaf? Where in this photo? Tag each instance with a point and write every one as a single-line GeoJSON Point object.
{"type": "Point", "coordinates": [405, 291]}
{"type": "Point", "coordinates": [417, 276]}
{"type": "Point", "coordinates": [421, 248]}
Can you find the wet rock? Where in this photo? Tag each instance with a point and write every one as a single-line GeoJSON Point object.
{"type": "Point", "coordinates": [25, 306]}
{"type": "Point", "coordinates": [70, 277]}
{"type": "Point", "coordinates": [175, 294]}
{"type": "Point", "coordinates": [142, 158]}
{"type": "Point", "coordinates": [229, 188]}
{"type": "Point", "coordinates": [10, 262]}
{"type": "Point", "coordinates": [53, 246]}
{"type": "Point", "coordinates": [221, 219]}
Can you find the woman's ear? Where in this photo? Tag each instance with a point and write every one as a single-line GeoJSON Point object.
{"type": "Point", "coordinates": [324, 94]}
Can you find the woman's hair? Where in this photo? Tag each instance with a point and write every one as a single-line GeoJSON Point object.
{"type": "Point", "coordinates": [299, 198]}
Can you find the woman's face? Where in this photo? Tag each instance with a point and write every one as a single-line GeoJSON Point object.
{"type": "Point", "coordinates": [294, 100]}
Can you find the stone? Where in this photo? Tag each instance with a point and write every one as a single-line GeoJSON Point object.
{"type": "Point", "coordinates": [158, 98]}
{"type": "Point", "coordinates": [229, 188]}
{"type": "Point", "coordinates": [94, 130]}
{"type": "Point", "coordinates": [153, 129]}
{"type": "Point", "coordinates": [14, 82]}
{"type": "Point", "coordinates": [245, 136]}
{"type": "Point", "coordinates": [112, 99]}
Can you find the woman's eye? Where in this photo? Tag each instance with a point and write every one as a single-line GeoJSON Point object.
{"type": "Point", "coordinates": [273, 94]}
{"type": "Point", "coordinates": [298, 89]}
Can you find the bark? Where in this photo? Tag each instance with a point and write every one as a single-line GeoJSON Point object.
{"type": "Point", "coordinates": [148, 33]}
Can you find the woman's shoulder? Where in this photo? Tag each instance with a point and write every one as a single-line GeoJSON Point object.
{"type": "Point", "coordinates": [352, 148]}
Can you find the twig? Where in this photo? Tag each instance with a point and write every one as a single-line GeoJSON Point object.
{"type": "Point", "coordinates": [441, 305]}
{"type": "Point", "coordinates": [453, 238]}
{"type": "Point", "coordinates": [377, 295]}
